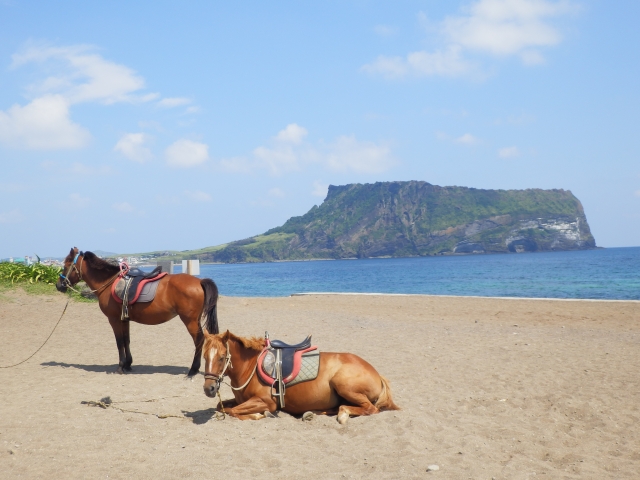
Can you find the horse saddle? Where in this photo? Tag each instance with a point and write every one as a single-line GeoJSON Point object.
{"type": "Point", "coordinates": [281, 365]}
{"type": "Point", "coordinates": [135, 286]}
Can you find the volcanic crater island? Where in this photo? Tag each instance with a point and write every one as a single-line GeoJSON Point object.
{"type": "Point", "coordinates": [414, 218]}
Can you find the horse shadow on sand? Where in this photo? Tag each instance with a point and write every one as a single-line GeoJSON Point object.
{"type": "Point", "coordinates": [137, 370]}
{"type": "Point", "coordinates": [200, 417]}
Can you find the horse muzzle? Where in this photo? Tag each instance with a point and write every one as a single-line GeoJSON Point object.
{"type": "Point", "coordinates": [61, 287]}
{"type": "Point", "coordinates": [211, 384]}
{"type": "Point", "coordinates": [211, 390]}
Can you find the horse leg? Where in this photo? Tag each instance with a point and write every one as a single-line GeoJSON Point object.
{"type": "Point", "coordinates": [193, 326]}
{"type": "Point", "coordinates": [252, 409]}
{"type": "Point", "coordinates": [361, 405]}
{"type": "Point", "coordinates": [128, 358]}
{"type": "Point", "coordinates": [365, 407]}
{"type": "Point", "coordinates": [116, 325]}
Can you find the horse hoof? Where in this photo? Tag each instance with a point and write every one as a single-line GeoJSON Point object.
{"type": "Point", "coordinates": [342, 418]}
{"type": "Point", "coordinates": [308, 416]}
{"type": "Point", "coordinates": [128, 369]}
{"type": "Point", "coordinates": [268, 414]}
{"type": "Point", "coordinates": [119, 371]}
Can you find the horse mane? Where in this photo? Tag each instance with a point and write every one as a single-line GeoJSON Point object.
{"type": "Point", "coordinates": [100, 265]}
{"type": "Point", "coordinates": [252, 343]}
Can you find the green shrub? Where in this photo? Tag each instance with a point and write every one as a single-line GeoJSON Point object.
{"type": "Point", "coordinates": [36, 273]}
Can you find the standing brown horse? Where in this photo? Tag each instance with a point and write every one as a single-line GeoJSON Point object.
{"type": "Point", "coordinates": [194, 300]}
{"type": "Point", "coordinates": [346, 384]}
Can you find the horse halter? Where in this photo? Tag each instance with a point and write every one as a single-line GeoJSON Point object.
{"type": "Point", "coordinates": [218, 378]}
{"type": "Point", "coordinates": [65, 278]}
{"type": "Point", "coordinates": [227, 364]}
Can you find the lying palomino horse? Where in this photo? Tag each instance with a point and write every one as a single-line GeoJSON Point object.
{"type": "Point", "coordinates": [192, 299]}
{"type": "Point", "coordinates": [345, 383]}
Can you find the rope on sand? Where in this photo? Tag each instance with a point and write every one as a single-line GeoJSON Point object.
{"type": "Point", "coordinates": [106, 403]}
{"type": "Point", "coordinates": [45, 342]}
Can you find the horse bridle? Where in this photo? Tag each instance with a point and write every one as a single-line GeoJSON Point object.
{"type": "Point", "coordinates": [65, 278]}
{"type": "Point", "coordinates": [67, 283]}
{"type": "Point", "coordinates": [227, 364]}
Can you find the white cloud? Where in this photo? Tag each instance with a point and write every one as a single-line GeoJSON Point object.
{"type": "Point", "coordinates": [43, 124]}
{"type": "Point", "coordinates": [13, 187]}
{"type": "Point", "coordinates": [279, 160]}
{"type": "Point", "coordinates": [319, 189]}
{"type": "Point", "coordinates": [186, 153]}
{"type": "Point", "coordinates": [12, 216]}
{"type": "Point", "coordinates": [276, 193]}
{"type": "Point", "coordinates": [198, 196]}
{"type": "Point", "coordinates": [384, 30]}
{"type": "Point", "coordinates": [79, 201]}
{"type": "Point", "coordinates": [447, 63]}
{"type": "Point", "coordinates": [349, 154]}
{"type": "Point", "coordinates": [173, 102]}
{"type": "Point", "coordinates": [82, 169]}
{"type": "Point", "coordinates": [292, 133]}
{"type": "Point", "coordinates": [500, 28]}
{"type": "Point", "coordinates": [289, 152]}
{"type": "Point", "coordinates": [132, 146]}
{"type": "Point", "coordinates": [509, 152]}
{"type": "Point", "coordinates": [506, 27]}
{"type": "Point", "coordinates": [236, 165]}
{"type": "Point", "coordinates": [123, 207]}
{"type": "Point", "coordinates": [81, 75]}
{"type": "Point", "coordinates": [467, 139]}
{"type": "Point", "coordinates": [192, 109]}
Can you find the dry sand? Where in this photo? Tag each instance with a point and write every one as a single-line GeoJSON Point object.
{"type": "Point", "coordinates": [489, 388]}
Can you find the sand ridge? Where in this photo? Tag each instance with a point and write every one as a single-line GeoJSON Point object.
{"type": "Point", "coordinates": [488, 388]}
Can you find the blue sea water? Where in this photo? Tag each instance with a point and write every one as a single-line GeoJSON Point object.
{"type": "Point", "coordinates": [612, 273]}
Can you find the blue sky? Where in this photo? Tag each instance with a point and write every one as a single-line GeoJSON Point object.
{"type": "Point", "coordinates": [137, 126]}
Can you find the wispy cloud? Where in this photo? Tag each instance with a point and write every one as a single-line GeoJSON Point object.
{"type": "Point", "coordinates": [186, 154]}
{"type": "Point", "coordinates": [467, 139]}
{"type": "Point", "coordinates": [498, 28]}
{"type": "Point", "coordinates": [79, 201]}
{"type": "Point", "coordinates": [509, 152]}
{"type": "Point", "coordinates": [133, 146]}
{"type": "Point", "coordinates": [81, 75]}
{"type": "Point", "coordinates": [384, 30]}
{"type": "Point", "coordinates": [174, 102]}
{"type": "Point", "coordinates": [67, 76]}
{"type": "Point", "coordinates": [82, 169]}
{"type": "Point", "coordinates": [123, 207]}
{"type": "Point", "coordinates": [12, 216]}
{"type": "Point", "coordinates": [198, 196]}
{"type": "Point", "coordinates": [289, 152]}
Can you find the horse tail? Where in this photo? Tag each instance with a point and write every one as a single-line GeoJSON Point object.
{"type": "Point", "coordinates": [385, 402]}
{"type": "Point", "coordinates": [209, 310]}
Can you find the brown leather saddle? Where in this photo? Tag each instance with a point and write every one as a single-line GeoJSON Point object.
{"type": "Point", "coordinates": [280, 364]}
{"type": "Point", "coordinates": [135, 285]}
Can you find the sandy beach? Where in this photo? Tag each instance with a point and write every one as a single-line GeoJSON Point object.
{"type": "Point", "coordinates": [489, 388]}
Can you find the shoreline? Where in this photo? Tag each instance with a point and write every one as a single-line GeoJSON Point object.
{"type": "Point", "coordinates": [428, 295]}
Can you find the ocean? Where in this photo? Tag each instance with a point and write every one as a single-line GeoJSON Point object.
{"type": "Point", "coordinates": [612, 273]}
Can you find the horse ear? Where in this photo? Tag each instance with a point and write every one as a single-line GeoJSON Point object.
{"type": "Point", "coordinates": [226, 335]}
{"type": "Point", "coordinates": [72, 251]}
{"type": "Point", "coordinates": [205, 331]}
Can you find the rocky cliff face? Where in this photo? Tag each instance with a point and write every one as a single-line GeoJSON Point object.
{"type": "Point", "coordinates": [416, 218]}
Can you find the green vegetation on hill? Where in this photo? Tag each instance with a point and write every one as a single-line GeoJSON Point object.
{"type": "Point", "coordinates": [416, 218]}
